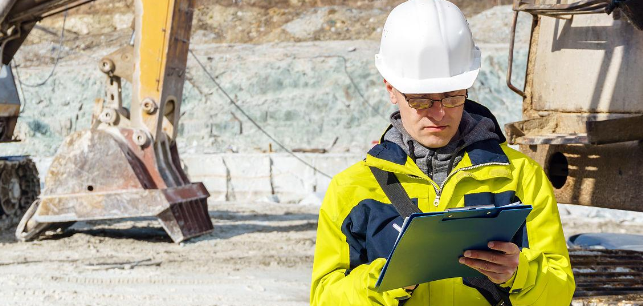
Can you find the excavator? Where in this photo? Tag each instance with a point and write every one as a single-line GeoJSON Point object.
{"type": "Point", "coordinates": [127, 164]}
{"type": "Point", "coordinates": [19, 182]}
{"type": "Point", "coordinates": [583, 122]}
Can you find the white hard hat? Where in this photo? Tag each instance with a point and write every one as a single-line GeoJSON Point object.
{"type": "Point", "coordinates": [427, 47]}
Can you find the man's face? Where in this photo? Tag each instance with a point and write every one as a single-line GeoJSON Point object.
{"type": "Point", "coordinates": [432, 127]}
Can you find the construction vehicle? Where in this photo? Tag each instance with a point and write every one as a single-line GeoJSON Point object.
{"type": "Point", "coordinates": [127, 164]}
{"type": "Point", "coordinates": [583, 121]}
{"type": "Point", "coordinates": [19, 182]}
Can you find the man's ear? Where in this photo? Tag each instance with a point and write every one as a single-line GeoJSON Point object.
{"type": "Point", "coordinates": [391, 92]}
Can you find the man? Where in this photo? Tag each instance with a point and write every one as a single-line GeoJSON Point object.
{"type": "Point", "coordinates": [447, 152]}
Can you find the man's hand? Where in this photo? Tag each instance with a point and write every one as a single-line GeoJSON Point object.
{"type": "Point", "coordinates": [498, 265]}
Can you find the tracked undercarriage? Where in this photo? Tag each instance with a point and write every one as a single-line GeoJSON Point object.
{"type": "Point", "coordinates": [19, 187]}
{"type": "Point", "coordinates": [607, 277]}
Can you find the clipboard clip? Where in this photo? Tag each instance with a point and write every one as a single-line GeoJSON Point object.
{"type": "Point", "coordinates": [480, 211]}
{"type": "Point", "coordinates": [470, 208]}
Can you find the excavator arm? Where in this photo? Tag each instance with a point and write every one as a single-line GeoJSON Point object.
{"type": "Point", "coordinates": [127, 165]}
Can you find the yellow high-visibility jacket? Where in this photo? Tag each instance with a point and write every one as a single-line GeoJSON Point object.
{"type": "Point", "coordinates": [355, 233]}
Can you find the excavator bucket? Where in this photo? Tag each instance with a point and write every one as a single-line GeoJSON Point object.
{"type": "Point", "coordinates": [633, 9]}
{"type": "Point", "coordinates": [127, 164]}
{"type": "Point", "coordinates": [103, 174]}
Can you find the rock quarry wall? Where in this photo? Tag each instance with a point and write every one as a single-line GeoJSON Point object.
{"type": "Point", "coordinates": [306, 90]}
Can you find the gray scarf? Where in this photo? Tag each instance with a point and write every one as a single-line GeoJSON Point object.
{"type": "Point", "coordinates": [438, 163]}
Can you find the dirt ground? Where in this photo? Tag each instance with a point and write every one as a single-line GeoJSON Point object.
{"type": "Point", "coordinates": [258, 254]}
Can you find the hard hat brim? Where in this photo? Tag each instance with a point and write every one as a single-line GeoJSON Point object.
{"type": "Point", "coordinates": [433, 85]}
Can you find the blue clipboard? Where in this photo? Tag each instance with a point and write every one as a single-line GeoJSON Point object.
{"type": "Point", "coordinates": [430, 244]}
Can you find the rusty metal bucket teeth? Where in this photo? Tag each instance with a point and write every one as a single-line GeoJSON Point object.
{"type": "Point", "coordinates": [102, 174]}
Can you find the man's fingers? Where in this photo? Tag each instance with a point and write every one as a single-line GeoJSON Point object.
{"type": "Point", "coordinates": [483, 265]}
{"type": "Point", "coordinates": [494, 257]}
{"type": "Point", "coordinates": [496, 273]}
{"type": "Point", "coordinates": [505, 247]}
{"type": "Point", "coordinates": [498, 265]}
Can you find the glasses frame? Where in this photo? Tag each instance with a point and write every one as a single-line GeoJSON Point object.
{"type": "Point", "coordinates": [466, 96]}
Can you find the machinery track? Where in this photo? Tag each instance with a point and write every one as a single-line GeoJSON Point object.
{"type": "Point", "coordinates": [19, 187]}
{"type": "Point", "coordinates": [608, 277]}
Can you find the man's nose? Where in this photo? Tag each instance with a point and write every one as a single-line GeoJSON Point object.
{"type": "Point", "coordinates": [435, 112]}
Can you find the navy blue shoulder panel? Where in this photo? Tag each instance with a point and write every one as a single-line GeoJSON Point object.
{"type": "Point", "coordinates": [369, 231]}
{"type": "Point", "coordinates": [491, 198]}
{"type": "Point", "coordinates": [389, 151]}
{"type": "Point", "coordinates": [486, 151]}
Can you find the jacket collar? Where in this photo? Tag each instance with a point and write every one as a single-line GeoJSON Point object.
{"type": "Point", "coordinates": [482, 152]}
{"type": "Point", "coordinates": [390, 157]}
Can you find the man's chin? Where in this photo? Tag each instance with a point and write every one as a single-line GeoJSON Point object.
{"type": "Point", "coordinates": [433, 142]}
{"type": "Point", "coordinates": [432, 139]}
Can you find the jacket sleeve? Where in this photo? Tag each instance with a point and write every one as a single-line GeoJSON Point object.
{"type": "Point", "coordinates": [330, 284]}
{"type": "Point", "coordinates": [544, 275]}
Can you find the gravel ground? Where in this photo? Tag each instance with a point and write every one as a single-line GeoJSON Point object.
{"type": "Point", "coordinates": [259, 254]}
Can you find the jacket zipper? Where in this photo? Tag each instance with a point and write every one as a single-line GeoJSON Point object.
{"type": "Point", "coordinates": [438, 189]}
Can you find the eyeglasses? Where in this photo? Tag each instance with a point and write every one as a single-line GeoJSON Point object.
{"type": "Point", "coordinates": [425, 103]}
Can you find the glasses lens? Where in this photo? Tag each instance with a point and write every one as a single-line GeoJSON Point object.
{"type": "Point", "coordinates": [453, 101]}
{"type": "Point", "coordinates": [420, 103]}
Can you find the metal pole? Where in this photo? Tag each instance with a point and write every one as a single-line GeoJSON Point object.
{"type": "Point", "coordinates": [511, 57]}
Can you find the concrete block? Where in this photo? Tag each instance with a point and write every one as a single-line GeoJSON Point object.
{"type": "Point", "coordinates": [291, 179]}
{"type": "Point", "coordinates": [249, 176]}
{"type": "Point", "coordinates": [211, 171]}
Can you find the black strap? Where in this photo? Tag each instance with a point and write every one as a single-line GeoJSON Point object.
{"type": "Point", "coordinates": [405, 207]}
{"type": "Point", "coordinates": [495, 295]}
{"type": "Point", "coordinates": [395, 192]}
